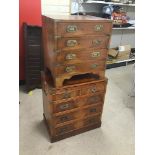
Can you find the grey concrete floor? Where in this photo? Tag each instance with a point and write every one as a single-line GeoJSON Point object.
{"type": "Point", "coordinates": [114, 137]}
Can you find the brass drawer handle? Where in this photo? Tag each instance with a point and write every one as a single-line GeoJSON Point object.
{"type": "Point", "coordinates": [71, 43]}
{"type": "Point", "coordinates": [93, 90]}
{"type": "Point", "coordinates": [71, 28]}
{"type": "Point", "coordinates": [95, 54]}
{"type": "Point", "coordinates": [64, 129]}
{"type": "Point", "coordinates": [92, 110]}
{"type": "Point", "coordinates": [70, 68]}
{"type": "Point", "coordinates": [70, 56]}
{"type": "Point", "coordinates": [64, 118]}
{"type": "Point", "coordinates": [93, 66]}
{"type": "Point", "coordinates": [96, 42]}
{"type": "Point", "coordinates": [98, 28]}
{"type": "Point", "coordinates": [64, 106]}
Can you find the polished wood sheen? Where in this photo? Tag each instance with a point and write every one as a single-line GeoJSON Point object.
{"type": "Point", "coordinates": [75, 45]}
{"type": "Point", "coordinates": [74, 108]}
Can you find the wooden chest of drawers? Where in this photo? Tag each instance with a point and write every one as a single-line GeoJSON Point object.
{"type": "Point", "coordinates": [74, 108]}
{"type": "Point", "coordinates": [75, 45]}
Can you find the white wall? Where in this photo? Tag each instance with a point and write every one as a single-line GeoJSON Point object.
{"type": "Point", "coordinates": [59, 7]}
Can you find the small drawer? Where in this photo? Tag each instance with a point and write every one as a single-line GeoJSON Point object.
{"type": "Point", "coordinates": [65, 118]}
{"type": "Point", "coordinates": [65, 94]}
{"type": "Point", "coordinates": [92, 110]}
{"type": "Point", "coordinates": [59, 107]}
{"type": "Point", "coordinates": [93, 88]}
{"type": "Point", "coordinates": [98, 98]}
{"type": "Point", "coordinates": [64, 129]}
{"type": "Point", "coordinates": [92, 120]}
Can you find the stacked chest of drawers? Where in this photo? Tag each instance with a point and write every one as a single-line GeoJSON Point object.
{"type": "Point", "coordinates": [73, 81]}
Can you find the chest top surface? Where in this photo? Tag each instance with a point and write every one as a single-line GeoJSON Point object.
{"type": "Point", "coordinates": [77, 18]}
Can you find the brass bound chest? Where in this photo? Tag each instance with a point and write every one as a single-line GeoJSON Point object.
{"type": "Point", "coordinates": [75, 45]}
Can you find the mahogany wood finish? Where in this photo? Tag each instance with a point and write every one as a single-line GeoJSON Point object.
{"type": "Point", "coordinates": [75, 45]}
{"type": "Point", "coordinates": [74, 108]}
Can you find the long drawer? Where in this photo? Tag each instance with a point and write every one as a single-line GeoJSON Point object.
{"type": "Point", "coordinates": [79, 68]}
{"type": "Point", "coordinates": [76, 125]}
{"type": "Point", "coordinates": [73, 57]}
{"type": "Point", "coordinates": [81, 43]}
{"type": "Point", "coordinates": [77, 102]}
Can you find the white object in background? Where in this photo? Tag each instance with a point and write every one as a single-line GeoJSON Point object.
{"type": "Point", "coordinates": [74, 6]}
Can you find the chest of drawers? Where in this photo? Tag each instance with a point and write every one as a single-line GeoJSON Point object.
{"type": "Point", "coordinates": [74, 108]}
{"type": "Point", "coordinates": [75, 45]}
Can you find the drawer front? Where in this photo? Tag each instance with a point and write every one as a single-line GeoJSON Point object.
{"type": "Point", "coordinates": [64, 129]}
{"type": "Point", "coordinates": [64, 106]}
{"type": "Point", "coordinates": [85, 67]}
{"type": "Point", "coordinates": [92, 120]}
{"type": "Point", "coordinates": [92, 110]}
{"type": "Point", "coordinates": [98, 98]}
{"type": "Point", "coordinates": [80, 56]}
{"type": "Point", "coordinates": [66, 117]}
{"type": "Point", "coordinates": [83, 28]}
{"type": "Point", "coordinates": [93, 88]}
{"type": "Point", "coordinates": [64, 95]}
{"type": "Point", "coordinates": [79, 43]}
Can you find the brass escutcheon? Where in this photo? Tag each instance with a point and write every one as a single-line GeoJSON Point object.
{"type": "Point", "coordinates": [98, 27]}
{"type": "Point", "coordinates": [71, 28]}
{"type": "Point", "coordinates": [71, 43]}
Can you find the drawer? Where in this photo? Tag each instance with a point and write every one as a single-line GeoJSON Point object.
{"type": "Point", "coordinates": [93, 88]}
{"type": "Point", "coordinates": [92, 110]}
{"type": "Point", "coordinates": [79, 43]}
{"type": "Point", "coordinates": [64, 129]}
{"type": "Point", "coordinates": [63, 106]}
{"type": "Point", "coordinates": [97, 98]}
{"type": "Point", "coordinates": [83, 28]}
{"type": "Point", "coordinates": [64, 94]}
{"type": "Point", "coordinates": [85, 67]}
{"type": "Point", "coordinates": [81, 56]}
{"type": "Point", "coordinates": [66, 117]}
{"type": "Point", "coordinates": [92, 120]}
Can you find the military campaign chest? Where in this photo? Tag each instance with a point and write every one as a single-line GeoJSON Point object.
{"type": "Point", "coordinates": [75, 45]}
{"type": "Point", "coordinates": [73, 80]}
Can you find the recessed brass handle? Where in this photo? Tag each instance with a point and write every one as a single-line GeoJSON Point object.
{"type": "Point", "coordinates": [64, 118]}
{"type": "Point", "coordinates": [95, 54]}
{"type": "Point", "coordinates": [64, 106]}
{"type": "Point", "coordinates": [93, 66]}
{"type": "Point", "coordinates": [71, 28]}
{"type": "Point", "coordinates": [66, 95]}
{"type": "Point", "coordinates": [71, 43]}
{"type": "Point", "coordinates": [96, 42]}
{"type": "Point", "coordinates": [98, 27]}
{"type": "Point", "coordinates": [64, 129]}
{"type": "Point", "coordinates": [70, 68]}
{"type": "Point", "coordinates": [93, 90]}
{"type": "Point", "coordinates": [70, 56]}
